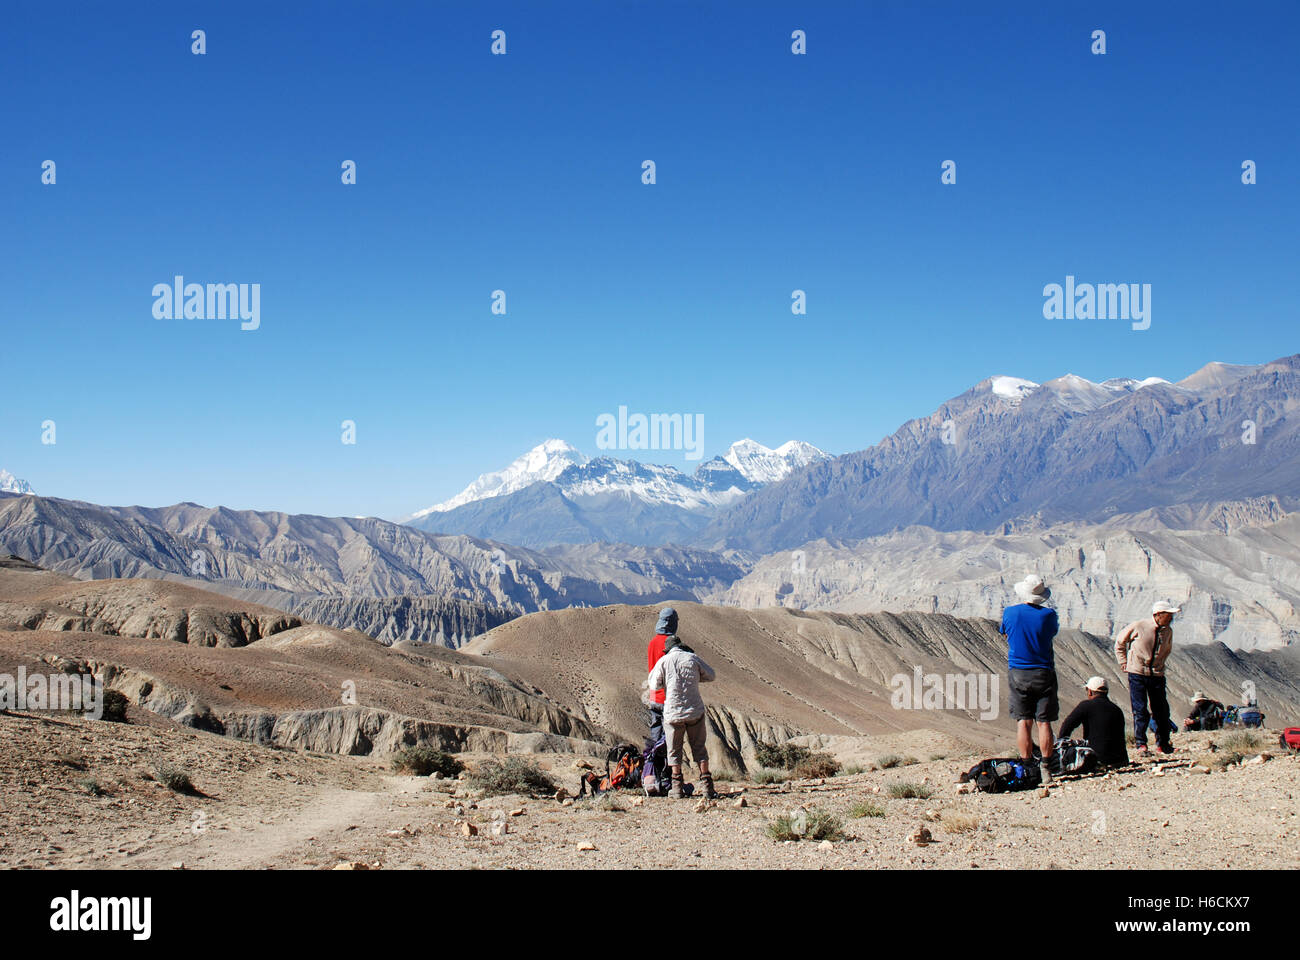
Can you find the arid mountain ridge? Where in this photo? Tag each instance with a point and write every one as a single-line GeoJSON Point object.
{"type": "Point", "coordinates": [552, 682]}
{"type": "Point", "coordinates": [1234, 569]}
{"type": "Point", "coordinates": [396, 582]}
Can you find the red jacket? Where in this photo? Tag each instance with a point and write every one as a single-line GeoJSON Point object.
{"type": "Point", "coordinates": [653, 653]}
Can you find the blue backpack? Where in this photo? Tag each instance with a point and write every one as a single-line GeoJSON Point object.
{"type": "Point", "coordinates": [1003, 775]}
{"type": "Point", "coordinates": [1251, 717]}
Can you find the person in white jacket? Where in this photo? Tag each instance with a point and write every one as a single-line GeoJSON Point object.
{"type": "Point", "coordinates": [679, 674]}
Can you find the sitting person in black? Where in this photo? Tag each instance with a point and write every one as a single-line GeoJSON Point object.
{"type": "Point", "coordinates": [1103, 724]}
{"type": "Point", "coordinates": [1206, 714]}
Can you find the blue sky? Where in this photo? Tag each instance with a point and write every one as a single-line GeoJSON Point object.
{"type": "Point", "coordinates": [522, 172]}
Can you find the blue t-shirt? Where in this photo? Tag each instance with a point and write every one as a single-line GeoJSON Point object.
{"type": "Point", "coordinates": [1029, 630]}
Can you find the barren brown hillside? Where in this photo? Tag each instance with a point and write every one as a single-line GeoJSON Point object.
{"type": "Point", "coordinates": [562, 681]}
{"type": "Point", "coordinates": [306, 686]}
{"type": "Point", "coordinates": [785, 673]}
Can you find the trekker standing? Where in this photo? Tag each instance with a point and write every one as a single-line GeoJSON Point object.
{"type": "Point", "coordinates": [1142, 649]}
{"type": "Point", "coordinates": [1029, 627]}
{"type": "Point", "coordinates": [664, 628]}
{"type": "Point", "coordinates": [679, 674]}
{"type": "Point", "coordinates": [1103, 723]}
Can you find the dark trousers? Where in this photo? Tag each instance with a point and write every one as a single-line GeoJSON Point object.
{"type": "Point", "coordinates": [656, 724]}
{"type": "Point", "coordinates": [1142, 690]}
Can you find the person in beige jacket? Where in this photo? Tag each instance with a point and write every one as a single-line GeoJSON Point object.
{"type": "Point", "coordinates": [1142, 649]}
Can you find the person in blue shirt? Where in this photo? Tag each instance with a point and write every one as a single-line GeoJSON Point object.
{"type": "Point", "coordinates": [1029, 627]}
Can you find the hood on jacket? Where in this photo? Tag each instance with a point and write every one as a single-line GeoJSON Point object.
{"type": "Point", "coordinates": [673, 642]}
{"type": "Point", "coordinates": [667, 621]}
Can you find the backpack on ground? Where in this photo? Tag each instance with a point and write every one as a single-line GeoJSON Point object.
{"type": "Point", "coordinates": [1003, 775]}
{"type": "Point", "coordinates": [1251, 717]}
{"type": "Point", "coordinates": [656, 775]}
{"type": "Point", "coordinates": [1074, 756]}
{"type": "Point", "coordinates": [656, 778]}
{"type": "Point", "coordinates": [622, 772]}
{"type": "Point", "coordinates": [1290, 738]}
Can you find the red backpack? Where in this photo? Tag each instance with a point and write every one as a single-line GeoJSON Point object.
{"type": "Point", "coordinates": [624, 775]}
{"type": "Point", "coordinates": [1290, 738]}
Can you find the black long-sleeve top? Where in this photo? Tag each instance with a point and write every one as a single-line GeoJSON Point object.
{"type": "Point", "coordinates": [1103, 728]}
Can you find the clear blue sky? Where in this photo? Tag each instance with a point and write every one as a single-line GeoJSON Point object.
{"type": "Point", "coordinates": [523, 172]}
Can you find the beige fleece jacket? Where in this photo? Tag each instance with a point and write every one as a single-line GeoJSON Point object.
{"type": "Point", "coordinates": [1142, 648]}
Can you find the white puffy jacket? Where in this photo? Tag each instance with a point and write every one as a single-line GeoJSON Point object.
{"type": "Point", "coordinates": [680, 674]}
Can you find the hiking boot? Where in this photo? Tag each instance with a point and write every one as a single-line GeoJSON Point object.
{"type": "Point", "coordinates": [676, 792]}
{"type": "Point", "coordinates": [706, 781]}
{"type": "Point", "coordinates": [1045, 771]}
{"type": "Point", "coordinates": [1166, 748]}
{"type": "Point", "coordinates": [1141, 749]}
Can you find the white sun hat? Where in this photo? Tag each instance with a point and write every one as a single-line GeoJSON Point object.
{"type": "Point", "coordinates": [1097, 684]}
{"type": "Point", "coordinates": [1033, 590]}
{"type": "Point", "coordinates": [1164, 606]}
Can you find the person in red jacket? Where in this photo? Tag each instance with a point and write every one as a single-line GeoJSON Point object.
{"type": "Point", "coordinates": [666, 627]}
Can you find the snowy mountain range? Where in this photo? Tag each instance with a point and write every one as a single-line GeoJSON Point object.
{"type": "Point", "coordinates": [555, 494]}
{"type": "Point", "coordinates": [1115, 492]}
{"type": "Point", "coordinates": [1080, 394]}
{"type": "Point", "coordinates": [1010, 451]}
{"type": "Point", "coordinates": [11, 484]}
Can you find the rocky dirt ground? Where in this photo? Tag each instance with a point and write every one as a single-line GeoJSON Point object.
{"type": "Point", "coordinates": [79, 793]}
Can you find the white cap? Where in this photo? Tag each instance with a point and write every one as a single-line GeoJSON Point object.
{"type": "Point", "coordinates": [1097, 684]}
{"type": "Point", "coordinates": [1163, 606]}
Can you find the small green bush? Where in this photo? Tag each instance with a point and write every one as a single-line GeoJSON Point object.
{"type": "Point", "coordinates": [815, 766]}
{"type": "Point", "coordinates": [957, 822]}
{"type": "Point", "coordinates": [771, 776]}
{"type": "Point", "coordinates": [513, 775]}
{"type": "Point", "coordinates": [907, 790]}
{"type": "Point", "coordinates": [1242, 741]}
{"type": "Point", "coordinates": [173, 778]}
{"type": "Point", "coordinates": [821, 826]}
{"type": "Point", "coordinates": [114, 706]}
{"type": "Point", "coordinates": [1232, 748]}
{"type": "Point", "coordinates": [889, 761]}
{"type": "Point", "coordinates": [610, 803]}
{"type": "Point", "coordinates": [423, 761]}
{"type": "Point", "coordinates": [866, 808]}
{"type": "Point", "coordinates": [785, 756]}
{"type": "Point", "coordinates": [71, 758]}
{"type": "Point", "coordinates": [90, 785]}
{"type": "Point", "coordinates": [852, 770]}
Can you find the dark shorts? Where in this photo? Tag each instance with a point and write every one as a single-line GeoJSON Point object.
{"type": "Point", "coordinates": [1033, 694]}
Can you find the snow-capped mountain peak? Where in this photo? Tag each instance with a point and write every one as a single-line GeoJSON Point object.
{"type": "Point", "coordinates": [1072, 391]}
{"type": "Point", "coordinates": [1013, 388]}
{"type": "Point", "coordinates": [11, 484]}
{"type": "Point", "coordinates": [1128, 384]}
{"type": "Point", "coordinates": [546, 461]}
{"type": "Point", "coordinates": [591, 487]}
{"type": "Point", "coordinates": [760, 464]}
